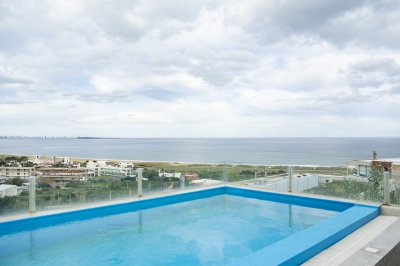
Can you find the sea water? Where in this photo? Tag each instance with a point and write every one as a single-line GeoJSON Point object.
{"type": "Point", "coordinates": [313, 151]}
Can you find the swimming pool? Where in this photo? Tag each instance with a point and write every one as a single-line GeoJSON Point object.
{"type": "Point", "coordinates": [224, 225]}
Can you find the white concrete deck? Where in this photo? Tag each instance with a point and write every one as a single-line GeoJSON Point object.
{"type": "Point", "coordinates": [348, 247]}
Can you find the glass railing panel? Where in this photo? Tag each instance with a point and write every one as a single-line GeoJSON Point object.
{"type": "Point", "coordinates": [14, 203]}
{"type": "Point", "coordinates": [263, 176]}
{"type": "Point", "coordinates": [394, 191]}
{"type": "Point", "coordinates": [335, 182]}
{"type": "Point", "coordinates": [165, 177]}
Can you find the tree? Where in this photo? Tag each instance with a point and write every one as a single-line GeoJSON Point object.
{"type": "Point", "coordinates": [43, 186]}
{"type": "Point", "coordinates": [376, 176]}
{"type": "Point", "coordinates": [22, 159]}
{"type": "Point", "coordinates": [59, 165]}
{"type": "Point", "coordinates": [16, 181]}
{"type": "Point", "coordinates": [28, 164]}
{"type": "Point", "coordinates": [7, 203]}
{"type": "Point", "coordinates": [150, 174]}
{"type": "Point", "coordinates": [11, 158]}
{"type": "Point", "coordinates": [375, 179]}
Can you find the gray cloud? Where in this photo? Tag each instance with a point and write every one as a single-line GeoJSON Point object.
{"type": "Point", "coordinates": [388, 66]}
{"type": "Point", "coordinates": [372, 23]}
{"type": "Point", "coordinates": [374, 73]}
{"type": "Point", "coordinates": [7, 79]}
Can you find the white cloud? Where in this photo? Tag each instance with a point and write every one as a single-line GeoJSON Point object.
{"type": "Point", "coordinates": [196, 68]}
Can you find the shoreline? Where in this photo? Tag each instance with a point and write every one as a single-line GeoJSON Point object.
{"type": "Point", "coordinates": [83, 159]}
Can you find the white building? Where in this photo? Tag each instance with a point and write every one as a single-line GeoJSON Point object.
{"type": "Point", "coordinates": [126, 164]}
{"type": "Point", "coordinates": [10, 172]}
{"type": "Point", "coordinates": [101, 168]}
{"type": "Point", "coordinates": [36, 160]}
{"type": "Point", "coordinates": [363, 167]}
{"type": "Point", "coordinates": [91, 165]}
{"type": "Point", "coordinates": [66, 160]}
{"type": "Point", "coordinates": [169, 175]}
{"type": "Point", "coordinates": [114, 171]}
{"type": "Point", "coordinates": [8, 190]}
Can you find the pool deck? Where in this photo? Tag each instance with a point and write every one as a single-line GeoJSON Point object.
{"type": "Point", "coordinates": [374, 243]}
{"type": "Point", "coordinates": [366, 246]}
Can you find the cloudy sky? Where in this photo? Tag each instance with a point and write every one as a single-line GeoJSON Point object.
{"type": "Point", "coordinates": [183, 68]}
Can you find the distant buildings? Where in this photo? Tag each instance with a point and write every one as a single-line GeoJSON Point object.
{"type": "Point", "coordinates": [114, 171]}
{"type": "Point", "coordinates": [163, 174]}
{"type": "Point", "coordinates": [10, 172]}
{"type": "Point", "coordinates": [178, 175]}
{"type": "Point", "coordinates": [60, 176]}
{"type": "Point", "coordinates": [191, 176]}
{"type": "Point", "coordinates": [364, 167]}
{"type": "Point", "coordinates": [103, 169]}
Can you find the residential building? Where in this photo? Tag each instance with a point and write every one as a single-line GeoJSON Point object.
{"type": "Point", "coordinates": [126, 164]}
{"type": "Point", "coordinates": [63, 175]}
{"type": "Point", "coordinates": [36, 160]}
{"type": "Point", "coordinates": [10, 172]}
{"type": "Point", "coordinates": [364, 167]}
{"type": "Point", "coordinates": [101, 168]}
{"type": "Point", "coordinates": [114, 171]}
{"type": "Point", "coordinates": [169, 175]}
{"type": "Point", "coordinates": [191, 176]}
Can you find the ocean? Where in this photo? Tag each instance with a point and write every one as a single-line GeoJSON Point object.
{"type": "Point", "coordinates": [261, 151]}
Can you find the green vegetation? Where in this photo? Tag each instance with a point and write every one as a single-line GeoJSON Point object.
{"type": "Point", "coordinates": [227, 172]}
{"type": "Point", "coordinates": [14, 204]}
{"type": "Point", "coordinates": [350, 189]}
{"type": "Point", "coordinates": [14, 160]}
{"type": "Point", "coordinates": [16, 181]}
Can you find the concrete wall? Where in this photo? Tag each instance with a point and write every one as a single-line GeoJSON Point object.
{"type": "Point", "coordinates": [298, 184]}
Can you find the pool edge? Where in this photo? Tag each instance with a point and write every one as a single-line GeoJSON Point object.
{"type": "Point", "coordinates": [339, 226]}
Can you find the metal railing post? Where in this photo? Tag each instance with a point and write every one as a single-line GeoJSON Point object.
{"type": "Point", "coordinates": [386, 188]}
{"type": "Point", "coordinates": [265, 173]}
{"type": "Point", "coordinates": [140, 179]}
{"type": "Point", "coordinates": [223, 173]}
{"type": "Point", "coordinates": [290, 174]}
{"type": "Point", "coordinates": [182, 181]}
{"type": "Point", "coordinates": [32, 194]}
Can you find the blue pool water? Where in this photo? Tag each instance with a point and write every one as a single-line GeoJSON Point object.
{"type": "Point", "coordinates": [223, 225]}
{"type": "Point", "coordinates": [208, 231]}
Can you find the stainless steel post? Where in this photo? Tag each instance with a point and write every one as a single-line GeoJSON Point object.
{"type": "Point", "coordinates": [140, 179]}
{"type": "Point", "coordinates": [386, 188]}
{"type": "Point", "coordinates": [182, 181]}
{"type": "Point", "coordinates": [32, 194]}
{"type": "Point", "coordinates": [290, 174]}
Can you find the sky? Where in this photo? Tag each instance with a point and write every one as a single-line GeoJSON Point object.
{"type": "Point", "coordinates": [187, 68]}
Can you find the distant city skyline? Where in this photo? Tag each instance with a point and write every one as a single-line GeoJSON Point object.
{"type": "Point", "coordinates": [200, 68]}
